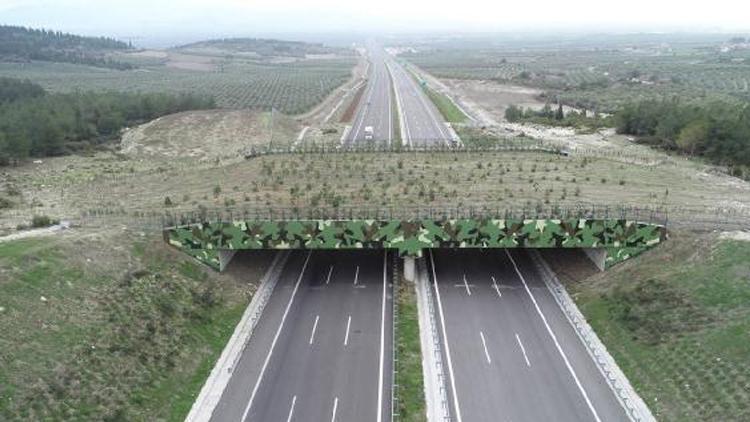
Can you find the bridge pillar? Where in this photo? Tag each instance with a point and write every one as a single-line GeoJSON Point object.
{"type": "Point", "coordinates": [598, 256]}
{"type": "Point", "coordinates": [409, 268]}
{"type": "Point", "coordinates": [225, 256]}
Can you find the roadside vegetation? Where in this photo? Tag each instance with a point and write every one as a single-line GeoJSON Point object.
{"type": "Point", "coordinates": [677, 321]}
{"type": "Point", "coordinates": [410, 392]}
{"type": "Point", "coordinates": [447, 108]}
{"type": "Point", "coordinates": [109, 326]}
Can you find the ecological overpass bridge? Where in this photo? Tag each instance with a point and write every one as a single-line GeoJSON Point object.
{"type": "Point", "coordinates": [609, 236]}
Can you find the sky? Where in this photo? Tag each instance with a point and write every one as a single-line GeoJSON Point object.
{"type": "Point", "coordinates": [148, 21]}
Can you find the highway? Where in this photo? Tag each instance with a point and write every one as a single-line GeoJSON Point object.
{"type": "Point", "coordinates": [376, 105]}
{"type": "Point", "coordinates": [322, 348]}
{"type": "Point", "coordinates": [510, 351]}
{"type": "Point", "coordinates": [422, 123]}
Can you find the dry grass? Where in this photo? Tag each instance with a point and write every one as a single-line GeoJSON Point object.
{"type": "Point", "coordinates": [500, 180]}
{"type": "Point", "coordinates": [209, 134]}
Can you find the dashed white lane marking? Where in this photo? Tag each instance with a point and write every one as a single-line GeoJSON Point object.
{"type": "Point", "coordinates": [335, 408]}
{"type": "Point", "coordinates": [315, 327]}
{"type": "Point", "coordinates": [486, 352]}
{"type": "Point", "coordinates": [291, 409]}
{"type": "Point", "coordinates": [356, 276]}
{"type": "Point", "coordinates": [496, 287]}
{"type": "Point", "coordinates": [348, 325]}
{"type": "Point", "coordinates": [445, 341]}
{"type": "Point", "coordinates": [554, 339]}
{"type": "Point", "coordinates": [466, 284]}
{"type": "Point", "coordinates": [276, 338]}
{"type": "Point", "coordinates": [523, 350]}
{"type": "Point", "coordinates": [330, 271]}
{"type": "Point", "coordinates": [382, 339]}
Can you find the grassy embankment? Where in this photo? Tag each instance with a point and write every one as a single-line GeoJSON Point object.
{"type": "Point", "coordinates": [411, 401]}
{"type": "Point", "coordinates": [677, 320]}
{"type": "Point", "coordinates": [448, 109]}
{"type": "Point", "coordinates": [108, 327]}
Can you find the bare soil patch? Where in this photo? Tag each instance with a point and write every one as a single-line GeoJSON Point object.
{"type": "Point", "coordinates": [208, 134]}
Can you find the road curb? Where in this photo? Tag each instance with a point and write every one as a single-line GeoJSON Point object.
{"type": "Point", "coordinates": [435, 391]}
{"type": "Point", "coordinates": [213, 388]}
{"type": "Point", "coordinates": [634, 406]}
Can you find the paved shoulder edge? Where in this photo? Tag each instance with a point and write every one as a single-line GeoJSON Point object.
{"type": "Point", "coordinates": [635, 407]}
{"type": "Point", "coordinates": [212, 390]}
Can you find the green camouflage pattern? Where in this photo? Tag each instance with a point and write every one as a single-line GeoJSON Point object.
{"type": "Point", "coordinates": [621, 238]}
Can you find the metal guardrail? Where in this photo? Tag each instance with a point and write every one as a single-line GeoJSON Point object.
{"type": "Point", "coordinates": [436, 347]}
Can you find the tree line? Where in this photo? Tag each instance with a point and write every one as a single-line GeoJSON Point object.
{"type": "Point", "coordinates": [25, 44]}
{"type": "Point", "coordinates": [34, 125]}
{"type": "Point", "coordinates": [716, 130]}
{"type": "Point", "coordinates": [556, 117]}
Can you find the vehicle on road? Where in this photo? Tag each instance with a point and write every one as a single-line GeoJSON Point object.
{"type": "Point", "coordinates": [369, 131]}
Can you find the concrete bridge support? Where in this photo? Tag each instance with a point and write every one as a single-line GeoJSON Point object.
{"type": "Point", "coordinates": [409, 268]}
{"type": "Point", "coordinates": [225, 256]}
{"type": "Point", "coordinates": [598, 256]}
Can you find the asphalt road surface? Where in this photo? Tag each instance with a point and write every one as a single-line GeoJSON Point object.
{"type": "Point", "coordinates": [422, 122]}
{"type": "Point", "coordinates": [376, 106]}
{"type": "Point", "coordinates": [322, 349]}
{"type": "Point", "coordinates": [511, 353]}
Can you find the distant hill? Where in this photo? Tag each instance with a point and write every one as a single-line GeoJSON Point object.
{"type": "Point", "coordinates": [26, 44]}
{"type": "Point", "coordinates": [263, 48]}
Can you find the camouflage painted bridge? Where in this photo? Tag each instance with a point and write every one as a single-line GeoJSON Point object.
{"type": "Point", "coordinates": [616, 235]}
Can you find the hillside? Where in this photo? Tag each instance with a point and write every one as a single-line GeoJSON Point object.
{"type": "Point", "coordinates": [19, 44]}
{"type": "Point", "coordinates": [260, 48]}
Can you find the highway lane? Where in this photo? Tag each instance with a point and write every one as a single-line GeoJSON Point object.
{"type": "Point", "coordinates": [421, 121]}
{"type": "Point", "coordinates": [511, 352]}
{"type": "Point", "coordinates": [322, 349]}
{"type": "Point", "coordinates": [376, 105]}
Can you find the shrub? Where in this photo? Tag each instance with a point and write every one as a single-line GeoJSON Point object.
{"type": "Point", "coordinates": [42, 221]}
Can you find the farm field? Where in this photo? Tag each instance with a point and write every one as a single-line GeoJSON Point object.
{"type": "Point", "coordinates": [600, 77]}
{"type": "Point", "coordinates": [292, 88]}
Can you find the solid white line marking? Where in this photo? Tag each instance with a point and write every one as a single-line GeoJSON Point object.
{"type": "Point", "coordinates": [275, 338]}
{"type": "Point", "coordinates": [466, 284]}
{"type": "Point", "coordinates": [381, 374]}
{"type": "Point", "coordinates": [291, 409]}
{"type": "Point", "coordinates": [335, 408]}
{"type": "Point", "coordinates": [484, 344]}
{"type": "Point", "coordinates": [315, 327]}
{"type": "Point", "coordinates": [328, 279]}
{"type": "Point", "coordinates": [356, 276]}
{"type": "Point", "coordinates": [445, 340]}
{"type": "Point", "coordinates": [554, 339]}
{"type": "Point", "coordinates": [496, 287]}
{"type": "Point", "coordinates": [348, 324]}
{"type": "Point", "coordinates": [523, 350]}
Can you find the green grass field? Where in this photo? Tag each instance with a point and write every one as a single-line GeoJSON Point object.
{"type": "Point", "coordinates": [450, 112]}
{"type": "Point", "coordinates": [108, 326]}
{"type": "Point", "coordinates": [677, 321]}
{"type": "Point", "coordinates": [410, 393]}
